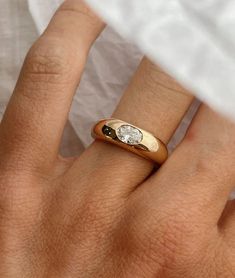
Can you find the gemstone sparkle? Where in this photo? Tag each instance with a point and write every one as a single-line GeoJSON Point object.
{"type": "Point", "coordinates": [129, 134]}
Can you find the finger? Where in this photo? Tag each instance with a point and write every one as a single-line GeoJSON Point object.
{"type": "Point", "coordinates": [199, 176]}
{"type": "Point", "coordinates": [153, 101]}
{"type": "Point", "coordinates": [35, 118]}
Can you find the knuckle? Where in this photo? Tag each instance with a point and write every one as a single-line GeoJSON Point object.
{"type": "Point", "coordinates": [198, 136]}
{"type": "Point", "coordinates": [47, 60]}
{"type": "Point", "coordinates": [160, 239]}
{"type": "Point", "coordinates": [91, 214]}
{"type": "Point", "coordinates": [95, 214]}
{"type": "Point", "coordinates": [209, 156]}
{"type": "Point", "coordinates": [200, 169]}
{"type": "Point", "coordinates": [169, 230]}
{"type": "Point", "coordinates": [49, 67]}
{"type": "Point", "coordinates": [94, 209]}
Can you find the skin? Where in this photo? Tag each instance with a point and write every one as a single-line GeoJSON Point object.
{"type": "Point", "coordinates": [106, 213]}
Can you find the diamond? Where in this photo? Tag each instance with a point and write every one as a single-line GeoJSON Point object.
{"type": "Point", "coordinates": [129, 134]}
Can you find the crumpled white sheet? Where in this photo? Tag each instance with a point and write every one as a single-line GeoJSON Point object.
{"type": "Point", "coordinates": [192, 40]}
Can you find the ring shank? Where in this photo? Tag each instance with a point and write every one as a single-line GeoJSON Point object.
{"type": "Point", "coordinates": [150, 147]}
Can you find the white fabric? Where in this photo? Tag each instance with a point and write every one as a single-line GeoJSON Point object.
{"type": "Point", "coordinates": [193, 40]}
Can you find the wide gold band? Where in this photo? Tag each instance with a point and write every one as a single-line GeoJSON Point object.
{"type": "Point", "coordinates": [131, 138]}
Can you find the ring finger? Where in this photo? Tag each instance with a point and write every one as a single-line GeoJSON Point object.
{"type": "Point", "coordinates": [153, 101]}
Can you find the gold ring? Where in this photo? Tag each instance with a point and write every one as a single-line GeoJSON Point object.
{"type": "Point", "coordinates": [131, 138]}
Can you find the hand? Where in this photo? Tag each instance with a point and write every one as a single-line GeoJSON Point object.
{"type": "Point", "coordinates": [106, 214]}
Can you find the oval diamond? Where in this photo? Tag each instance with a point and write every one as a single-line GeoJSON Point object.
{"type": "Point", "coordinates": [129, 134]}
